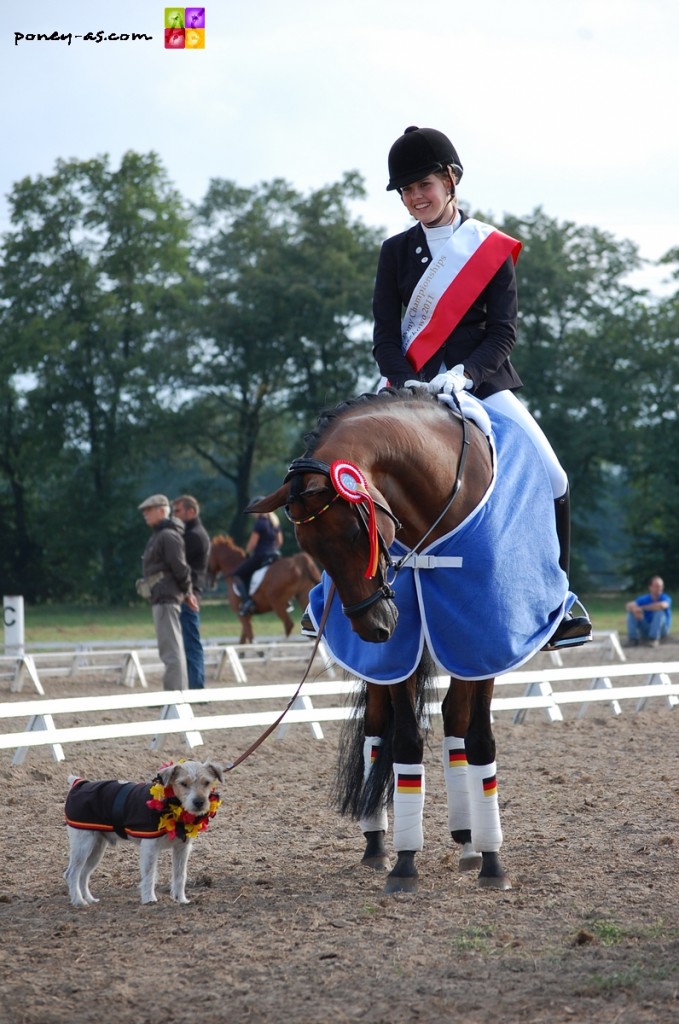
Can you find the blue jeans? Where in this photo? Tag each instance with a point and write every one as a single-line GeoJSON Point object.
{"type": "Point", "coordinates": [642, 629]}
{"type": "Point", "coordinates": [193, 648]}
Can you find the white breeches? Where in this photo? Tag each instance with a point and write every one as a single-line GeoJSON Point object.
{"type": "Point", "coordinates": [509, 405]}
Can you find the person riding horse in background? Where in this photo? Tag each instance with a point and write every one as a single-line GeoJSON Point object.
{"type": "Point", "coordinates": [455, 278]}
{"type": "Point", "coordinates": [263, 547]}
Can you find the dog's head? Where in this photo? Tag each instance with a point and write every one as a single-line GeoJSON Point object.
{"type": "Point", "coordinates": [192, 782]}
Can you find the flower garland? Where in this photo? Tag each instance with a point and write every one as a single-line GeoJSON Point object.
{"type": "Point", "coordinates": [177, 822]}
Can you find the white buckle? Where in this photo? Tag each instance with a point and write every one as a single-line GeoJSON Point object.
{"type": "Point", "coordinates": [434, 562]}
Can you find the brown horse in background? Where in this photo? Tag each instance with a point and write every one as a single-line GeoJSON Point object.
{"type": "Point", "coordinates": [286, 579]}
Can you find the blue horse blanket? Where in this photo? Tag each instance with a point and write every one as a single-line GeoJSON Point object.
{"type": "Point", "coordinates": [495, 601]}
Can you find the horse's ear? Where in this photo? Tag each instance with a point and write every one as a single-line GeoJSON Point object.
{"type": "Point", "coordinates": [271, 501]}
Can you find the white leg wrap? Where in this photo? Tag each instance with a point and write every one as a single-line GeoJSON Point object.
{"type": "Point", "coordinates": [377, 822]}
{"type": "Point", "coordinates": [455, 773]}
{"type": "Point", "coordinates": [408, 806]}
{"type": "Point", "coordinates": [485, 812]}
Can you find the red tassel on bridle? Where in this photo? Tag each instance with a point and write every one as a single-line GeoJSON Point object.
{"type": "Point", "coordinates": [350, 484]}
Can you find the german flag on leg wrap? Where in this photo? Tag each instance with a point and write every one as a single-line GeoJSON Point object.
{"type": "Point", "coordinates": [409, 784]}
{"type": "Point", "coordinates": [490, 786]}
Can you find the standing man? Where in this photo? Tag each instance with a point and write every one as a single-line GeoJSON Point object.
{"type": "Point", "coordinates": [167, 583]}
{"type": "Point", "coordinates": [197, 545]}
{"type": "Point", "coordinates": [649, 617]}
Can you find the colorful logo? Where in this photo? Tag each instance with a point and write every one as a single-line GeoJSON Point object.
{"type": "Point", "coordinates": [184, 28]}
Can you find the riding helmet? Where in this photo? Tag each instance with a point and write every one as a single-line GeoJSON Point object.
{"type": "Point", "coordinates": [419, 152]}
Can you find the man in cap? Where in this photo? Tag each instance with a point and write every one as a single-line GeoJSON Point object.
{"type": "Point", "coordinates": [197, 547]}
{"type": "Point", "coordinates": [167, 583]}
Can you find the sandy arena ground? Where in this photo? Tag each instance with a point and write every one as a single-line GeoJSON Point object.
{"type": "Point", "coordinates": [285, 926]}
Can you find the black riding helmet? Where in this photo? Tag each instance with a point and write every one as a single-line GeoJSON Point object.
{"type": "Point", "coordinates": [419, 152]}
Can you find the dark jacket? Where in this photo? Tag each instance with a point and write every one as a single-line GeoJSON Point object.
{"type": "Point", "coordinates": [92, 806]}
{"type": "Point", "coordinates": [482, 340]}
{"type": "Point", "coordinates": [197, 545]}
{"type": "Point", "coordinates": [164, 552]}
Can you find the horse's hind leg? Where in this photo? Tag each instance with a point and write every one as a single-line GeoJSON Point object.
{"type": "Point", "coordinates": [409, 789]}
{"type": "Point", "coordinates": [474, 822]}
{"type": "Point", "coordinates": [374, 826]}
{"type": "Point", "coordinates": [456, 771]}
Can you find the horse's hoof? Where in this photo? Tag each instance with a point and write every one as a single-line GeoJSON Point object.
{"type": "Point", "coordinates": [470, 860]}
{"type": "Point", "coordinates": [498, 882]}
{"type": "Point", "coordinates": [379, 863]}
{"type": "Point", "coordinates": [403, 877]}
{"type": "Point", "coordinates": [393, 884]}
{"type": "Point", "coordinates": [492, 874]}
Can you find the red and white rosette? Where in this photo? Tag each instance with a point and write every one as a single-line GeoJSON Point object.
{"type": "Point", "coordinates": [350, 484]}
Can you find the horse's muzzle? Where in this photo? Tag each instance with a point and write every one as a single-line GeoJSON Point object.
{"type": "Point", "coordinates": [374, 619]}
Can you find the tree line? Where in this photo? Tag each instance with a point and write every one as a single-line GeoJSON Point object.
{"type": "Point", "coordinates": [148, 344]}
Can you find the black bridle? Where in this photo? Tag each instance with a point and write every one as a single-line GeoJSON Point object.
{"type": "Point", "coordinates": [305, 464]}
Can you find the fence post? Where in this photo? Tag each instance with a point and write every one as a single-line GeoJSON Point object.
{"type": "Point", "coordinates": [13, 615]}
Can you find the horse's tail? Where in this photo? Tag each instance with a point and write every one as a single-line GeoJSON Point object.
{"type": "Point", "coordinates": [350, 794]}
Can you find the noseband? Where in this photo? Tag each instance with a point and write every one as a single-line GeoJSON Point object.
{"type": "Point", "coordinates": [305, 464]}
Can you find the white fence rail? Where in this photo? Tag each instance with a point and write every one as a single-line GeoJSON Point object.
{"type": "Point", "coordinates": [176, 708]}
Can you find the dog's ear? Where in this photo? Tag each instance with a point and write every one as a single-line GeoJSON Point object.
{"type": "Point", "coordinates": [167, 774]}
{"type": "Point", "coordinates": [217, 770]}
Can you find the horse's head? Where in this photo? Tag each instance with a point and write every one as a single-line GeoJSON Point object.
{"type": "Point", "coordinates": [349, 535]}
{"type": "Point", "coordinates": [225, 556]}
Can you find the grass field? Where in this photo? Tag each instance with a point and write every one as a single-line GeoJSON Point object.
{"type": "Point", "coordinates": [72, 624]}
{"type": "Point", "coordinates": [78, 624]}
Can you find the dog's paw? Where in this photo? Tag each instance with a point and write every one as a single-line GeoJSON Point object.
{"type": "Point", "coordinates": [78, 901]}
{"type": "Point", "coordinates": [149, 899]}
{"type": "Point", "coordinates": [182, 898]}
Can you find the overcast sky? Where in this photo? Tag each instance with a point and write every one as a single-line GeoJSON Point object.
{"type": "Point", "coordinates": [568, 106]}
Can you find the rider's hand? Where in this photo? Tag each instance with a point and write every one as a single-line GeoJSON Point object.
{"type": "Point", "coordinates": [451, 381]}
{"type": "Point", "coordinates": [416, 384]}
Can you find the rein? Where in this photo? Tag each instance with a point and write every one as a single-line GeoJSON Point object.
{"type": "Point", "coordinates": [270, 728]}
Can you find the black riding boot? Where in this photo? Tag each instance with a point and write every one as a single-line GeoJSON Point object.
{"type": "Point", "coordinates": [573, 630]}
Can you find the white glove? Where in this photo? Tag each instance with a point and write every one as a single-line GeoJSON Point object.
{"type": "Point", "coordinates": [447, 383]}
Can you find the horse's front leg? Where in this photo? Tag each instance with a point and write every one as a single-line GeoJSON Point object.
{"type": "Point", "coordinates": [409, 789]}
{"type": "Point", "coordinates": [471, 779]}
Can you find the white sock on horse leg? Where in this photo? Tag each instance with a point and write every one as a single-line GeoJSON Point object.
{"type": "Point", "coordinates": [377, 822]}
{"type": "Point", "coordinates": [408, 806]}
{"type": "Point", "coordinates": [485, 811]}
{"type": "Point", "coordinates": [455, 773]}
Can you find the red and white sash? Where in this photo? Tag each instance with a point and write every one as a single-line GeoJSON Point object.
{"type": "Point", "coordinates": [450, 284]}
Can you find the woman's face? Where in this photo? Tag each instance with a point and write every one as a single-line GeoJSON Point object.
{"type": "Point", "coordinates": [426, 199]}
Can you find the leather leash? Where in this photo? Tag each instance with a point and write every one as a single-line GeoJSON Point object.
{"type": "Point", "coordinates": [269, 729]}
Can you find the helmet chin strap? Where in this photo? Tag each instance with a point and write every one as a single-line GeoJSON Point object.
{"type": "Point", "coordinates": [435, 223]}
{"type": "Point", "coordinates": [449, 200]}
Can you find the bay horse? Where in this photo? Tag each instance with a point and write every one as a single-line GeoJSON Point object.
{"type": "Point", "coordinates": [388, 482]}
{"type": "Point", "coordinates": [286, 579]}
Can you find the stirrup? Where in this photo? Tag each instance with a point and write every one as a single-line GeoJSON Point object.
{"type": "Point", "coordinates": [306, 626]}
{"type": "Point", "coordinates": [572, 631]}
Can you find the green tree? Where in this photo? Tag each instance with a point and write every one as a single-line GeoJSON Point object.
{"type": "Point", "coordinates": [95, 285]}
{"type": "Point", "coordinates": [579, 351]}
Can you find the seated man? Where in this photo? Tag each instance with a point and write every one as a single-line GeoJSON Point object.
{"type": "Point", "coordinates": [649, 616]}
